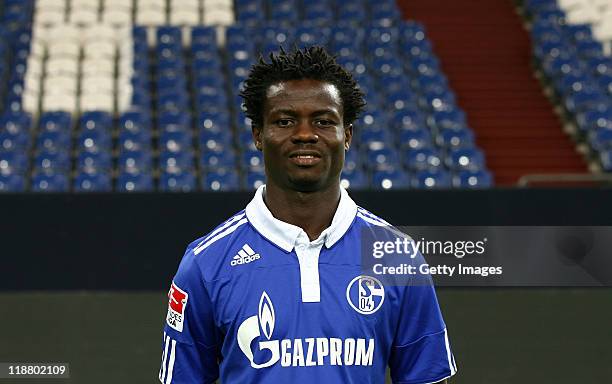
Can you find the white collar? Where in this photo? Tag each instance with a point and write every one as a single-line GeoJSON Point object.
{"type": "Point", "coordinates": [286, 235]}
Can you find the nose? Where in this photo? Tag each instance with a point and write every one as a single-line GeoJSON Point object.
{"type": "Point", "coordinates": [304, 133]}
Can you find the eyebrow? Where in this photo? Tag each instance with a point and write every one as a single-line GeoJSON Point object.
{"type": "Point", "coordinates": [292, 112]}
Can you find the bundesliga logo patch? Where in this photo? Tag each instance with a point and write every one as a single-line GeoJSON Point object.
{"type": "Point", "coordinates": [177, 301]}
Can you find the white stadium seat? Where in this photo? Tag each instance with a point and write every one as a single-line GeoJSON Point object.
{"type": "Point", "coordinates": [35, 65]}
{"type": "Point", "coordinates": [31, 82]}
{"type": "Point", "coordinates": [37, 47]}
{"type": "Point", "coordinates": [567, 5]}
{"type": "Point", "coordinates": [49, 17]}
{"type": "Point", "coordinates": [100, 49]}
{"type": "Point", "coordinates": [185, 17]}
{"type": "Point", "coordinates": [582, 15]}
{"type": "Point", "coordinates": [118, 17]}
{"type": "Point", "coordinates": [218, 17]}
{"type": "Point", "coordinates": [143, 4]}
{"type": "Point", "coordinates": [58, 83]}
{"type": "Point", "coordinates": [151, 16]}
{"type": "Point", "coordinates": [96, 102]}
{"type": "Point", "coordinates": [97, 67]}
{"type": "Point", "coordinates": [100, 31]}
{"type": "Point", "coordinates": [62, 66]}
{"type": "Point", "coordinates": [124, 101]}
{"type": "Point", "coordinates": [30, 102]}
{"type": "Point", "coordinates": [83, 4]}
{"type": "Point", "coordinates": [191, 4]}
{"type": "Point", "coordinates": [116, 4]}
{"type": "Point", "coordinates": [217, 4]}
{"type": "Point", "coordinates": [51, 102]}
{"type": "Point", "coordinates": [64, 48]}
{"type": "Point", "coordinates": [65, 32]}
{"type": "Point", "coordinates": [83, 17]}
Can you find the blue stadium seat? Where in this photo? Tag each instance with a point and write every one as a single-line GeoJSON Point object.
{"type": "Point", "coordinates": [382, 159]}
{"type": "Point", "coordinates": [450, 138]}
{"type": "Point", "coordinates": [173, 121]}
{"type": "Point", "coordinates": [13, 162]}
{"type": "Point", "coordinates": [96, 120]}
{"type": "Point", "coordinates": [55, 121]}
{"type": "Point", "coordinates": [393, 178]}
{"type": "Point", "coordinates": [409, 119]}
{"type": "Point", "coordinates": [472, 179]}
{"type": "Point", "coordinates": [255, 178]}
{"type": "Point", "coordinates": [14, 123]}
{"type": "Point", "coordinates": [471, 159]}
{"type": "Point", "coordinates": [134, 141]}
{"type": "Point", "coordinates": [135, 161]}
{"type": "Point", "coordinates": [134, 182]}
{"type": "Point", "coordinates": [172, 161]}
{"type": "Point", "coordinates": [220, 180]}
{"type": "Point", "coordinates": [175, 141]}
{"type": "Point", "coordinates": [177, 182]}
{"type": "Point", "coordinates": [54, 160]}
{"type": "Point", "coordinates": [11, 183]}
{"type": "Point", "coordinates": [101, 161]}
{"type": "Point", "coordinates": [428, 179]}
{"type": "Point", "coordinates": [415, 139]}
{"type": "Point", "coordinates": [94, 141]}
{"type": "Point", "coordinates": [88, 182]}
{"type": "Point", "coordinates": [594, 119]}
{"type": "Point", "coordinates": [53, 140]}
{"type": "Point", "coordinates": [605, 157]}
{"type": "Point", "coordinates": [453, 119]}
{"type": "Point", "coordinates": [600, 139]}
{"type": "Point", "coordinates": [49, 182]}
{"type": "Point", "coordinates": [252, 158]}
{"type": "Point", "coordinates": [218, 159]}
{"type": "Point", "coordinates": [422, 159]}
{"type": "Point", "coordinates": [168, 35]}
{"type": "Point", "coordinates": [205, 35]}
{"type": "Point", "coordinates": [354, 179]}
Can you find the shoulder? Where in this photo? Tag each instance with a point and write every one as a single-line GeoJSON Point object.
{"type": "Point", "coordinates": [209, 252]}
{"type": "Point", "coordinates": [368, 218]}
{"type": "Point", "coordinates": [375, 227]}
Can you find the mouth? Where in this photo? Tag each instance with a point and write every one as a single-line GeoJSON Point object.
{"type": "Point", "coordinates": [305, 158]}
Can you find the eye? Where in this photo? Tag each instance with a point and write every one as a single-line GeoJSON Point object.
{"type": "Point", "coordinates": [325, 123]}
{"type": "Point", "coordinates": [284, 122]}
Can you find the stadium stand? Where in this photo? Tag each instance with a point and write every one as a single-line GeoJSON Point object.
{"type": "Point", "coordinates": [143, 96]}
{"type": "Point", "coordinates": [572, 43]}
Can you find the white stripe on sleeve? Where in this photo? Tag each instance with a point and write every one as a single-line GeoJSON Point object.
{"type": "Point", "coordinates": [229, 230]}
{"type": "Point", "coordinates": [171, 363]}
{"type": "Point", "coordinates": [162, 372]}
{"type": "Point", "coordinates": [449, 355]}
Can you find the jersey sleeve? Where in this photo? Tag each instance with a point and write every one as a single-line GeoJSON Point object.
{"type": "Point", "coordinates": [421, 351]}
{"type": "Point", "coordinates": [190, 345]}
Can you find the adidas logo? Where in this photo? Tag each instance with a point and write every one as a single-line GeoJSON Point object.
{"type": "Point", "coordinates": [245, 255]}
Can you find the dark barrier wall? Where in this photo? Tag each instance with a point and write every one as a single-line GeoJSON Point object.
{"type": "Point", "coordinates": [135, 241]}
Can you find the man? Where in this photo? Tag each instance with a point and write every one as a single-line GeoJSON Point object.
{"type": "Point", "coordinates": [276, 294]}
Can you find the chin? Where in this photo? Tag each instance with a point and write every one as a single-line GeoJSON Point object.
{"type": "Point", "coordinates": [307, 184]}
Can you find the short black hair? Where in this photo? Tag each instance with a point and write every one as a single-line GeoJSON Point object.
{"type": "Point", "coordinates": [308, 63]}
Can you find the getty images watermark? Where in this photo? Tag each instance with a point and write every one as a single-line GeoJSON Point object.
{"type": "Point", "coordinates": [489, 256]}
{"type": "Point", "coordinates": [412, 249]}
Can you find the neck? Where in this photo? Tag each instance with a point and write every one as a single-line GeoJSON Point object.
{"type": "Point", "coordinates": [311, 211]}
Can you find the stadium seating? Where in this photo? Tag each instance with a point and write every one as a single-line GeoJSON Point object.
{"type": "Point", "coordinates": [144, 95]}
{"type": "Point", "coordinates": [572, 46]}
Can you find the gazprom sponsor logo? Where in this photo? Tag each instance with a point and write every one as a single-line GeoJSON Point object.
{"type": "Point", "coordinates": [304, 352]}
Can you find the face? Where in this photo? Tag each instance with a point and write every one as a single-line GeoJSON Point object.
{"type": "Point", "coordinates": [303, 136]}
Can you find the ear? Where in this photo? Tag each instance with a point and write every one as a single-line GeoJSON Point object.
{"type": "Point", "coordinates": [256, 130]}
{"type": "Point", "coordinates": [348, 136]}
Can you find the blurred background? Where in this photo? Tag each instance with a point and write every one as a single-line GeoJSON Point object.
{"type": "Point", "coordinates": [122, 139]}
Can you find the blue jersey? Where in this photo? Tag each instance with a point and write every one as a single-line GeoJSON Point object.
{"type": "Point", "coordinates": [255, 301]}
